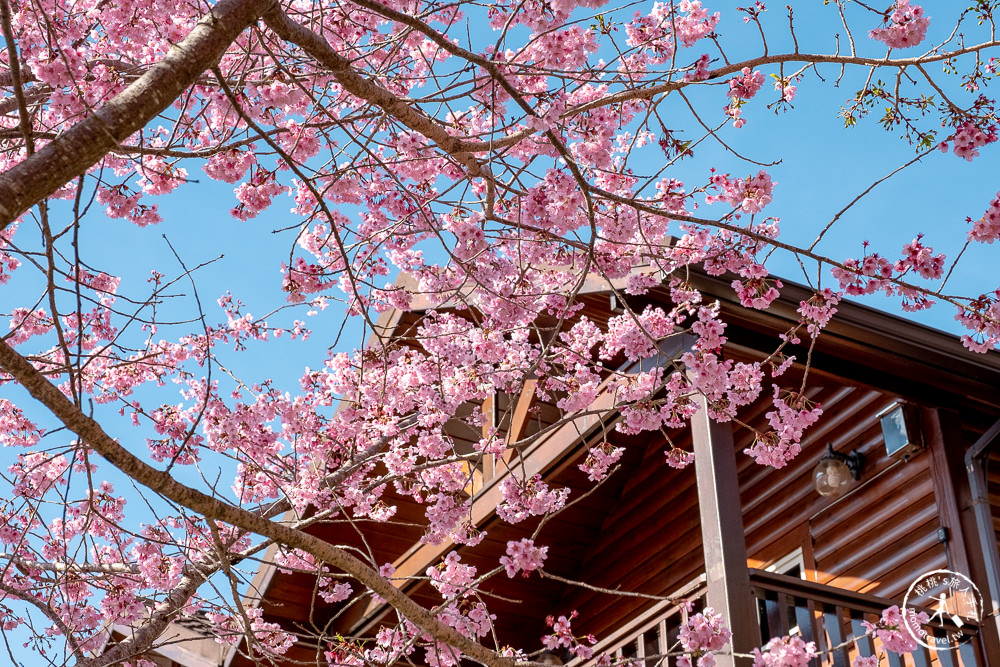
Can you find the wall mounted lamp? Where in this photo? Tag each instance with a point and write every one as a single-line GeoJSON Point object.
{"type": "Point", "coordinates": [835, 471]}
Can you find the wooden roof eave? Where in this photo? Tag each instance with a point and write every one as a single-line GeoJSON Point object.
{"type": "Point", "coordinates": [389, 320]}
{"type": "Point", "coordinates": [876, 348]}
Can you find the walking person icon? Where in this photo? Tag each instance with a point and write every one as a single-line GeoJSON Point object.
{"type": "Point", "coordinates": [942, 607]}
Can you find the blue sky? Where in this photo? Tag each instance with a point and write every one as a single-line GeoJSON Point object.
{"type": "Point", "coordinates": [823, 166]}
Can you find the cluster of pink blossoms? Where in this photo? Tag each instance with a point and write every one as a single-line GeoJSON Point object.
{"type": "Point", "coordinates": [727, 385]}
{"type": "Point", "coordinates": [8, 263]}
{"type": "Point", "coordinates": [749, 195]}
{"type": "Point", "coordinates": [679, 458]}
{"type": "Point", "coordinates": [787, 90]}
{"type": "Point", "coordinates": [818, 310]}
{"type": "Point", "coordinates": [469, 235]}
{"type": "Point", "coordinates": [747, 84]}
{"type": "Point", "coordinates": [785, 652]}
{"type": "Point", "coordinates": [562, 637]}
{"type": "Point", "coordinates": [256, 194]}
{"type": "Point", "coordinates": [472, 620]}
{"type": "Point", "coordinates": [655, 33]}
{"type": "Point", "coordinates": [532, 497]}
{"type": "Point", "coordinates": [969, 138]}
{"type": "Point", "coordinates": [35, 473]}
{"type": "Point", "coordinates": [793, 414]}
{"type": "Point", "coordinates": [159, 177]}
{"type": "Point", "coordinates": [757, 291]}
{"type": "Point", "coordinates": [696, 24]}
{"type": "Point", "coordinates": [15, 429]}
{"type": "Point", "coordinates": [229, 166]}
{"type": "Point", "coordinates": [390, 645]}
{"type": "Point", "coordinates": [892, 631]}
{"type": "Point", "coordinates": [709, 329]}
{"type": "Point", "coordinates": [920, 258]}
{"type": "Point", "coordinates": [523, 556]}
{"type": "Point", "coordinates": [270, 636]}
{"type": "Point", "coordinates": [25, 324]}
{"type": "Point", "coordinates": [907, 26]}
{"type": "Point", "coordinates": [741, 89]}
{"type": "Point", "coordinates": [700, 71]}
{"type": "Point", "coordinates": [599, 460]}
{"type": "Point", "coordinates": [121, 202]}
{"type": "Point", "coordinates": [868, 276]}
{"type": "Point", "coordinates": [874, 273]}
{"type": "Point", "coordinates": [702, 635]}
{"type": "Point", "coordinates": [452, 578]}
{"type": "Point", "coordinates": [987, 228]}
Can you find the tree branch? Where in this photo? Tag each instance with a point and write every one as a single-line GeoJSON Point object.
{"type": "Point", "coordinates": [162, 483]}
{"type": "Point", "coordinates": [81, 147]}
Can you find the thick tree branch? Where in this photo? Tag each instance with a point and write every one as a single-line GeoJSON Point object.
{"type": "Point", "coordinates": [142, 639]}
{"type": "Point", "coordinates": [367, 89]}
{"type": "Point", "coordinates": [81, 147]}
{"type": "Point", "coordinates": [211, 508]}
{"type": "Point", "coordinates": [104, 568]}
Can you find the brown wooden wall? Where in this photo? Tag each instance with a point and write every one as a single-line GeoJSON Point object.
{"type": "Point", "coordinates": [879, 536]}
{"type": "Point", "coordinates": [876, 539]}
{"type": "Point", "coordinates": [992, 465]}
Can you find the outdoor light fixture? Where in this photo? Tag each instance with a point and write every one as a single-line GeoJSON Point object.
{"type": "Point", "coordinates": [901, 429]}
{"type": "Point", "coordinates": [834, 472]}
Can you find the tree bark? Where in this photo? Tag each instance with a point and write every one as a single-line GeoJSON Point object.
{"type": "Point", "coordinates": [93, 436]}
{"type": "Point", "coordinates": [81, 147]}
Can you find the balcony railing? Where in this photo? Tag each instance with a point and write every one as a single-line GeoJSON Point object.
{"type": "Point", "coordinates": [832, 617]}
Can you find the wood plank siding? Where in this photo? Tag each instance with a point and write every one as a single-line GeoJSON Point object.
{"type": "Point", "coordinates": [876, 539]}
{"type": "Point", "coordinates": [991, 465]}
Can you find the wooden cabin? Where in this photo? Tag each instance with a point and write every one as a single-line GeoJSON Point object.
{"type": "Point", "coordinates": [759, 545]}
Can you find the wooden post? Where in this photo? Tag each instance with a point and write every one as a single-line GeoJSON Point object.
{"type": "Point", "coordinates": [967, 545]}
{"type": "Point", "coordinates": [722, 533]}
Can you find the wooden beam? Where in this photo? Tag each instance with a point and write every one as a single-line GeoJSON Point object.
{"type": "Point", "coordinates": [490, 423]}
{"type": "Point", "coordinates": [522, 410]}
{"type": "Point", "coordinates": [966, 546]}
{"type": "Point", "coordinates": [519, 420]}
{"type": "Point", "coordinates": [722, 534]}
{"type": "Point", "coordinates": [539, 457]}
{"type": "Point", "coordinates": [947, 472]}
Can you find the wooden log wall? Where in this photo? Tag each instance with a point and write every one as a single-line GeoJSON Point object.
{"type": "Point", "coordinates": [876, 539]}
{"type": "Point", "coordinates": [992, 466]}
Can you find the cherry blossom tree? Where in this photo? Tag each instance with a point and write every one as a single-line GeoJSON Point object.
{"type": "Point", "coordinates": [499, 156]}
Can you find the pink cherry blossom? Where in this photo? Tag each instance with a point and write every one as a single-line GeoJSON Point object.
{"type": "Point", "coordinates": [969, 138]}
{"type": "Point", "coordinates": [702, 635]}
{"type": "Point", "coordinates": [907, 26]}
{"type": "Point", "coordinates": [892, 631]}
{"type": "Point", "coordinates": [599, 460]}
{"type": "Point", "coordinates": [785, 652]}
{"type": "Point", "coordinates": [793, 414]}
{"type": "Point", "coordinates": [987, 228]}
{"type": "Point", "coordinates": [523, 556]}
{"type": "Point", "coordinates": [818, 310]}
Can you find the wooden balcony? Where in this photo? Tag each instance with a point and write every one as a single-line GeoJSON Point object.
{"type": "Point", "coordinates": [831, 617]}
